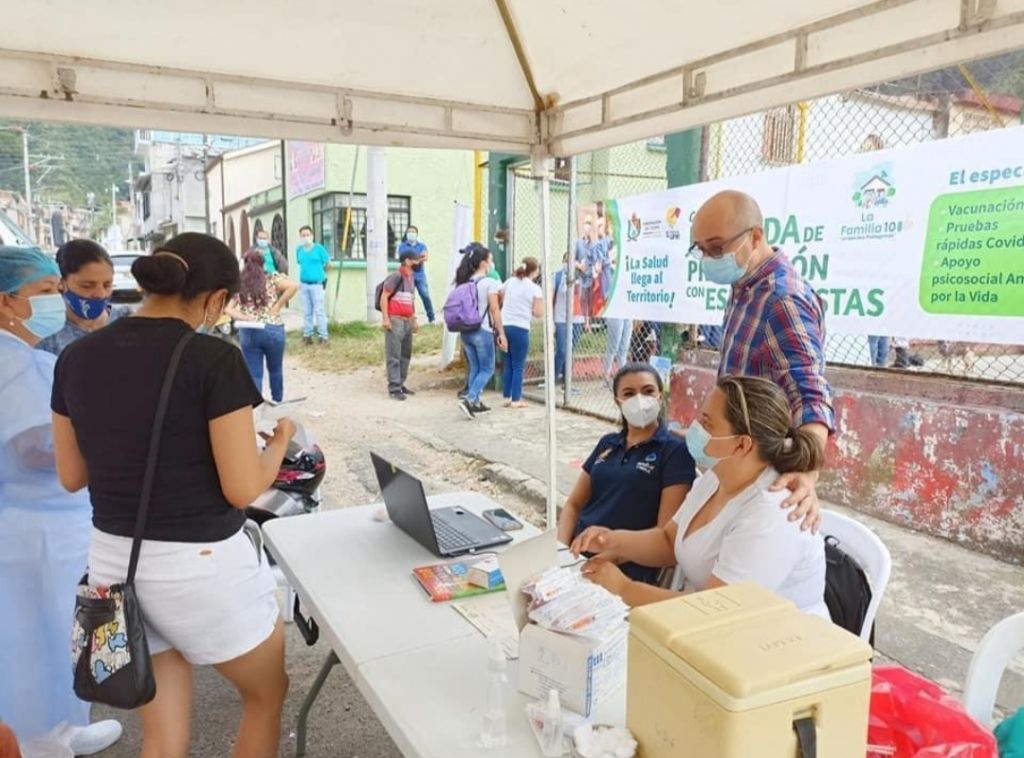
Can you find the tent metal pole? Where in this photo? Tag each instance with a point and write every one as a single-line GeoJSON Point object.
{"type": "Point", "coordinates": [541, 170]}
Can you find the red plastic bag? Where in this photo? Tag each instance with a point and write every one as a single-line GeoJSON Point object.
{"type": "Point", "coordinates": [912, 717]}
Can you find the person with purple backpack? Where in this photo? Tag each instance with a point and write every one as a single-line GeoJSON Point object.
{"type": "Point", "coordinates": [473, 309]}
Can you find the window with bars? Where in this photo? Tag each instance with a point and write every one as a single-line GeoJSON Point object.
{"type": "Point", "coordinates": [778, 136]}
{"type": "Point", "coordinates": [331, 214]}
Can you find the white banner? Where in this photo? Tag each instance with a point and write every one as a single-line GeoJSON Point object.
{"type": "Point", "coordinates": [925, 241]}
{"type": "Point", "coordinates": [462, 235]}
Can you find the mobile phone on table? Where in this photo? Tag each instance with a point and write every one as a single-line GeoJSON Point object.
{"type": "Point", "coordinates": [503, 519]}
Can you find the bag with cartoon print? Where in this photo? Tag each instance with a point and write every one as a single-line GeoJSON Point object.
{"type": "Point", "coordinates": [109, 652]}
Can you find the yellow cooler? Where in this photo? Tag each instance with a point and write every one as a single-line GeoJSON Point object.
{"type": "Point", "coordinates": [727, 673]}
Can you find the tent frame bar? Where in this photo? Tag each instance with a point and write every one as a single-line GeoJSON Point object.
{"type": "Point", "coordinates": [693, 80]}
{"type": "Point", "coordinates": [335, 112]}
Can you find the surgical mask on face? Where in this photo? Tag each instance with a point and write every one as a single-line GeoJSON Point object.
{"type": "Point", "coordinates": [307, 241]}
{"type": "Point", "coordinates": [88, 308]}
{"type": "Point", "coordinates": [49, 315]}
{"type": "Point", "coordinates": [697, 439]}
{"type": "Point", "coordinates": [412, 237]}
{"type": "Point", "coordinates": [263, 243]}
{"type": "Point", "coordinates": [724, 270]}
{"type": "Point", "coordinates": [641, 411]}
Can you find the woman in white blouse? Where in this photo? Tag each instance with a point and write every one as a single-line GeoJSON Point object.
{"type": "Point", "coordinates": [731, 527]}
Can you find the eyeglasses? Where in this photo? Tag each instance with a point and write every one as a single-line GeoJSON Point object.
{"type": "Point", "coordinates": [717, 249]}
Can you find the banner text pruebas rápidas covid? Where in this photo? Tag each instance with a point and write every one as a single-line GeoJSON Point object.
{"type": "Point", "coordinates": [924, 241]}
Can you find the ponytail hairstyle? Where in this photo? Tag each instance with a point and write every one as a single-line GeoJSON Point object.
{"type": "Point", "coordinates": [527, 268]}
{"type": "Point", "coordinates": [758, 408]}
{"type": "Point", "coordinates": [253, 292]}
{"type": "Point", "coordinates": [186, 266]}
{"type": "Point", "coordinates": [473, 255]}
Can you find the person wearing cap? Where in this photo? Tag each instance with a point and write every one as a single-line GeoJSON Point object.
{"type": "Point", "coordinates": [44, 530]}
{"type": "Point", "coordinates": [398, 311]}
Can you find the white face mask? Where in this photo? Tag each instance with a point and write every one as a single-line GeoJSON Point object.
{"type": "Point", "coordinates": [641, 411]}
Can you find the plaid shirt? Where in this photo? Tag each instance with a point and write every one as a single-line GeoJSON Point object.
{"type": "Point", "coordinates": [775, 328]}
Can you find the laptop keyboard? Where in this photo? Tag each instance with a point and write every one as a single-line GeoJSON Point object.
{"type": "Point", "coordinates": [450, 538]}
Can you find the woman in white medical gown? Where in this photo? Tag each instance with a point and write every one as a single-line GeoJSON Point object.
{"type": "Point", "coordinates": [44, 531]}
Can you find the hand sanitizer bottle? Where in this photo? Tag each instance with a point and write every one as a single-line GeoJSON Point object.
{"type": "Point", "coordinates": [495, 733]}
{"type": "Point", "coordinates": [552, 743]}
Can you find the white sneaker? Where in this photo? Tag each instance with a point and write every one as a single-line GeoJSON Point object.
{"type": "Point", "coordinates": [88, 740]}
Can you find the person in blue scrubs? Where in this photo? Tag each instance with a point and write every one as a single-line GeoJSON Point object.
{"type": "Point", "coordinates": [635, 478]}
{"type": "Point", "coordinates": [44, 531]}
{"type": "Point", "coordinates": [87, 281]}
{"type": "Point", "coordinates": [413, 244]}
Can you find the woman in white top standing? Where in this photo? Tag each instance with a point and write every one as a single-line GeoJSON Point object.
{"type": "Point", "coordinates": [522, 302]}
{"type": "Point", "coordinates": [730, 528]}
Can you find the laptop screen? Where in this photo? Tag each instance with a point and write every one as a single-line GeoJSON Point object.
{"type": "Point", "coordinates": [406, 502]}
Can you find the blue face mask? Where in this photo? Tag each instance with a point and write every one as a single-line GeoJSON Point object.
{"type": "Point", "coordinates": [49, 315]}
{"type": "Point", "coordinates": [697, 439]}
{"type": "Point", "coordinates": [262, 243]}
{"type": "Point", "coordinates": [88, 308]}
{"type": "Point", "coordinates": [724, 270]}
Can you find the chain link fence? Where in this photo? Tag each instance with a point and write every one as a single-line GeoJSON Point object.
{"type": "Point", "coordinates": [976, 96]}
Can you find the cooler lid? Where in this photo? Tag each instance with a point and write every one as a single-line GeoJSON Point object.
{"type": "Point", "coordinates": [745, 647]}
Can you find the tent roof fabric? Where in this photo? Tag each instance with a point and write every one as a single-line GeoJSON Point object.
{"type": "Point", "coordinates": [553, 77]}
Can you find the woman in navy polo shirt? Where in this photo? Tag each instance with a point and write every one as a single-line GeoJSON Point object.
{"type": "Point", "coordinates": [634, 479]}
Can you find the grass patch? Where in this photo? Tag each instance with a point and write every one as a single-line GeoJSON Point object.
{"type": "Point", "coordinates": [355, 345]}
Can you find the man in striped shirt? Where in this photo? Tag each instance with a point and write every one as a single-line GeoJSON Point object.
{"type": "Point", "coordinates": [774, 322]}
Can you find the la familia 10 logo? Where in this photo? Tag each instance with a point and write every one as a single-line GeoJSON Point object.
{"type": "Point", "coordinates": [636, 227]}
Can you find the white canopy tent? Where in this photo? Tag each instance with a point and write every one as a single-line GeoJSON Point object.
{"type": "Point", "coordinates": [544, 77]}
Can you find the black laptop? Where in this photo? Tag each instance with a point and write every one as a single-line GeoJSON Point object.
{"type": "Point", "coordinates": [445, 532]}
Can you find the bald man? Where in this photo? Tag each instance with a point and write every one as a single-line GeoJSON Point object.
{"type": "Point", "coordinates": [774, 323]}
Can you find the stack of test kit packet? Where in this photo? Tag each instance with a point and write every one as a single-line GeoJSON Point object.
{"type": "Point", "coordinates": [573, 633]}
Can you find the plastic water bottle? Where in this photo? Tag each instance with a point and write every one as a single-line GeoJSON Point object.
{"type": "Point", "coordinates": [552, 740]}
{"type": "Point", "coordinates": [495, 732]}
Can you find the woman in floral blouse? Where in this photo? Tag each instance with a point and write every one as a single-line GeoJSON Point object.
{"type": "Point", "coordinates": [257, 311]}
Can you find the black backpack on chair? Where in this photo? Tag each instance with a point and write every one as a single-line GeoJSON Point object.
{"type": "Point", "coordinates": [847, 591]}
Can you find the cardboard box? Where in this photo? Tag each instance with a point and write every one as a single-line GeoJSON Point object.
{"type": "Point", "coordinates": [584, 671]}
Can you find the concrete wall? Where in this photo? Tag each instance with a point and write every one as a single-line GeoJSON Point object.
{"type": "Point", "coordinates": [931, 454]}
{"type": "Point", "coordinates": [434, 179]}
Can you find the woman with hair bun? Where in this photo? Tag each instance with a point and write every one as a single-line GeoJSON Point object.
{"type": "Point", "coordinates": [731, 527]}
{"type": "Point", "coordinates": [207, 595]}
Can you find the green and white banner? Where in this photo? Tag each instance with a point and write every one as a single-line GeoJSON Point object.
{"type": "Point", "coordinates": [925, 241]}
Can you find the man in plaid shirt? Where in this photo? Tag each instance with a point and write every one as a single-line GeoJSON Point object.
{"type": "Point", "coordinates": [774, 323]}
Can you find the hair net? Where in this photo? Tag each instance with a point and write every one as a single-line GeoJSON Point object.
{"type": "Point", "coordinates": [23, 265]}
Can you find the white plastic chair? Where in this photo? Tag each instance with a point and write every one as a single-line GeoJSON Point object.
{"type": "Point", "coordinates": [997, 648]}
{"type": "Point", "coordinates": [868, 551]}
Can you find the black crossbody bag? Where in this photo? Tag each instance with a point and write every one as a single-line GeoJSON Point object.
{"type": "Point", "coordinates": [109, 651]}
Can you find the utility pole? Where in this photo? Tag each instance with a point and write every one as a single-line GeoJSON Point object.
{"type": "Point", "coordinates": [28, 185]}
{"type": "Point", "coordinates": [376, 226]}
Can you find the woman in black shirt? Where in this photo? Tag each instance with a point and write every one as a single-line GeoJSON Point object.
{"type": "Point", "coordinates": [206, 593]}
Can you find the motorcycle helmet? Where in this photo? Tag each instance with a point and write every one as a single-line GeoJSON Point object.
{"type": "Point", "coordinates": [302, 471]}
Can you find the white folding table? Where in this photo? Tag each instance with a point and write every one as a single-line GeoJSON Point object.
{"type": "Point", "coordinates": [420, 665]}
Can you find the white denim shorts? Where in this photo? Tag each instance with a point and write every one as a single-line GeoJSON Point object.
{"type": "Point", "coordinates": [210, 601]}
